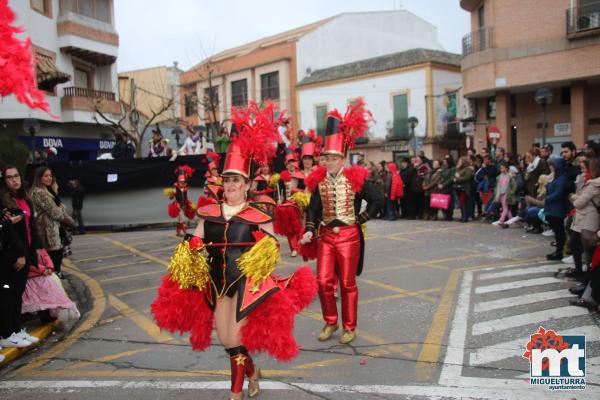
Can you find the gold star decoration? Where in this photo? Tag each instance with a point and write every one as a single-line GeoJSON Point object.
{"type": "Point", "coordinates": [240, 359]}
{"type": "Point", "coordinates": [254, 289]}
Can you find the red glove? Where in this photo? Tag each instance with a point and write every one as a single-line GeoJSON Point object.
{"type": "Point", "coordinates": [196, 243]}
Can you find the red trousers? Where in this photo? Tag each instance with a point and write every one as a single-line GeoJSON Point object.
{"type": "Point", "coordinates": [293, 241]}
{"type": "Point", "coordinates": [337, 258]}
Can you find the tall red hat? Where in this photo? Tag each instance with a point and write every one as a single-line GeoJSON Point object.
{"type": "Point", "coordinates": [290, 155]}
{"type": "Point", "coordinates": [213, 160]}
{"type": "Point", "coordinates": [341, 131]}
{"type": "Point", "coordinates": [184, 172]}
{"type": "Point", "coordinates": [310, 144]}
{"type": "Point", "coordinates": [256, 140]}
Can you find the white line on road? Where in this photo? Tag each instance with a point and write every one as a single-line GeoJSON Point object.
{"type": "Point", "coordinates": [514, 321]}
{"type": "Point", "coordinates": [519, 390]}
{"type": "Point", "coordinates": [521, 300]}
{"type": "Point", "coordinates": [525, 270]}
{"type": "Point", "coordinates": [456, 341]}
{"type": "Point", "coordinates": [514, 348]}
{"type": "Point", "coordinates": [516, 285]}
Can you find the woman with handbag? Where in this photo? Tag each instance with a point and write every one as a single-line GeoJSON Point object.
{"type": "Point", "coordinates": [51, 215]}
{"type": "Point", "coordinates": [445, 185]}
{"type": "Point", "coordinates": [462, 186]}
{"type": "Point", "coordinates": [430, 186]}
{"type": "Point", "coordinates": [22, 252]}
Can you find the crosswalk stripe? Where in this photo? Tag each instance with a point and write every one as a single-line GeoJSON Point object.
{"type": "Point", "coordinates": [515, 285]}
{"type": "Point", "coordinates": [515, 348]}
{"type": "Point", "coordinates": [521, 300]}
{"type": "Point", "coordinates": [514, 321]}
{"type": "Point", "coordinates": [518, 272]}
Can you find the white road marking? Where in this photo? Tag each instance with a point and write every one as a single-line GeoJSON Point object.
{"type": "Point", "coordinates": [515, 285]}
{"type": "Point", "coordinates": [517, 390]}
{"type": "Point", "coordinates": [521, 300]}
{"type": "Point", "coordinates": [514, 321]}
{"type": "Point", "coordinates": [514, 348]}
{"type": "Point", "coordinates": [525, 270]}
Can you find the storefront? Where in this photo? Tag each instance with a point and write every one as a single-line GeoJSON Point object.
{"type": "Point", "coordinates": [71, 149]}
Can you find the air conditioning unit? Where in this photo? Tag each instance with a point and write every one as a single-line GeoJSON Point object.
{"type": "Point", "coordinates": [467, 128]}
{"type": "Point", "coordinates": [467, 109]}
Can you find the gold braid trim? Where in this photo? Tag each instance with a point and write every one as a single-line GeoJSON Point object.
{"type": "Point", "coordinates": [259, 262]}
{"type": "Point", "coordinates": [302, 199]}
{"type": "Point", "coordinates": [189, 268]}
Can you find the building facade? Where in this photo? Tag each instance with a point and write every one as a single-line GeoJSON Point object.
{"type": "Point", "coordinates": [276, 67]}
{"type": "Point", "coordinates": [504, 65]}
{"type": "Point", "coordinates": [418, 83]}
{"type": "Point", "coordinates": [157, 94]}
{"type": "Point", "coordinates": [76, 46]}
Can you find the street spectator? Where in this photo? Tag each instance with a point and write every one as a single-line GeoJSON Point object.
{"type": "Point", "coordinates": [556, 205]}
{"type": "Point", "coordinates": [430, 185]}
{"type": "Point", "coordinates": [536, 166]}
{"type": "Point", "coordinates": [394, 191]}
{"type": "Point", "coordinates": [423, 169]}
{"type": "Point", "coordinates": [120, 150]}
{"type": "Point", "coordinates": [157, 144]}
{"type": "Point", "coordinates": [485, 181]}
{"type": "Point", "coordinates": [410, 180]}
{"type": "Point", "coordinates": [591, 149]}
{"type": "Point", "coordinates": [462, 182]}
{"type": "Point", "coordinates": [51, 215]}
{"type": "Point", "coordinates": [533, 205]}
{"type": "Point", "coordinates": [22, 253]}
{"type": "Point", "coordinates": [375, 179]}
{"type": "Point", "coordinates": [445, 185]}
{"type": "Point", "coordinates": [222, 141]}
{"type": "Point", "coordinates": [77, 196]}
{"type": "Point", "coordinates": [546, 151]}
{"type": "Point", "coordinates": [505, 190]}
{"type": "Point", "coordinates": [586, 222]}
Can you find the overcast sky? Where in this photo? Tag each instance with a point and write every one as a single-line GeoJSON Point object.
{"type": "Point", "coordinates": [158, 32]}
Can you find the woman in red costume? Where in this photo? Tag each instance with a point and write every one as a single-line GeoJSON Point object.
{"type": "Point", "coordinates": [223, 274]}
{"type": "Point", "coordinates": [181, 207]}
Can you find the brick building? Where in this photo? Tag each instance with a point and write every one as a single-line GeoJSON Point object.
{"type": "Point", "coordinates": [517, 47]}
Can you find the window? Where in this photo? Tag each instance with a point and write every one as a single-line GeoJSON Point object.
{"type": "Point", "coordinates": [481, 17]}
{"type": "Point", "coordinates": [82, 78]}
{"type": "Point", "coordinates": [491, 108]}
{"type": "Point", "coordinates": [211, 98]}
{"type": "Point", "coordinates": [513, 105]}
{"type": "Point", "coordinates": [400, 116]}
{"type": "Point", "coordinates": [239, 93]}
{"type": "Point", "coordinates": [42, 6]}
{"type": "Point", "coordinates": [191, 107]}
{"type": "Point", "coordinates": [269, 86]}
{"type": "Point", "coordinates": [97, 9]}
{"type": "Point", "coordinates": [565, 96]}
{"type": "Point", "coordinates": [321, 115]}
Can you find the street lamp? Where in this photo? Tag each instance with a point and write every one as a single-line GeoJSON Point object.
{"type": "Point", "coordinates": [543, 97]}
{"type": "Point", "coordinates": [412, 123]}
{"type": "Point", "coordinates": [31, 126]}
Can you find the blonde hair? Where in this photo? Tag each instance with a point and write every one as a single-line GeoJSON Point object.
{"type": "Point", "coordinates": [541, 184]}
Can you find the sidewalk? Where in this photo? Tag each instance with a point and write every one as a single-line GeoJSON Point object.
{"type": "Point", "coordinates": [41, 332]}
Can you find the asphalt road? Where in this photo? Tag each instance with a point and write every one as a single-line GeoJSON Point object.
{"type": "Point", "coordinates": [445, 311]}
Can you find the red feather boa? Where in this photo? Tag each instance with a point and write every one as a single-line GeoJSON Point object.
{"type": "Point", "coordinates": [356, 174]}
{"type": "Point", "coordinates": [315, 177]}
{"type": "Point", "coordinates": [17, 71]}
{"type": "Point", "coordinates": [287, 220]}
{"type": "Point", "coordinates": [270, 326]}
{"type": "Point", "coordinates": [173, 209]}
{"type": "Point", "coordinates": [183, 310]}
{"type": "Point", "coordinates": [285, 176]}
{"type": "Point", "coordinates": [189, 211]}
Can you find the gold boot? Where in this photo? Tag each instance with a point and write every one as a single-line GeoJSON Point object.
{"type": "Point", "coordinates": [253, 388]}
{"type": "Point", "coordinates": [327, 332]}
{"type": "Point", "coordinates": [347, 337]}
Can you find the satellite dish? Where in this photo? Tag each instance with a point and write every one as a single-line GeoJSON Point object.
{"type": "Point", "coordinates": [31, 126]}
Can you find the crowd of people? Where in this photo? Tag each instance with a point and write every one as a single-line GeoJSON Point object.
{"type": "Point", "coordinates": [556, 196]}
{"type": "Point", "coordinates": [34, 233]}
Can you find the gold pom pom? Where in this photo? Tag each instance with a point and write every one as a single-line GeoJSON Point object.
{"type": "Point", "coordinates": [189, 268]}
{"type": "Point", "coordinates": [259, 262]}
{"type": "Point", "coordinates": [169, 192]}
{"type": "Point", "coordinates": [274, 181]}
{"type": "Point", "coordinates": [301, 199]}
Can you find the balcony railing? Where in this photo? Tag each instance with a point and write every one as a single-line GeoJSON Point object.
{"type": "Point", "coordinates": [584, 18]}
{"type": "Point", "coordinates": [89, 93]}
{"type": "Point", "coordinates": [478, 40]}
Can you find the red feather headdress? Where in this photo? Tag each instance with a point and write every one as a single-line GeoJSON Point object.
{"type": "Point", "coordinates": [184, 170]}
{"type": "Point", "coordinates": [354, 123]}
{"type": "Point", "coordinates": [258, 131]}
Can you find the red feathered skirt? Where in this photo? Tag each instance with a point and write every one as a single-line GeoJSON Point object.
{"type": "Point", "coordinates": [173, 210]}
{"type": "Point", "coordinates": [288, 220]}
{"type": "Point", "coordinates": [269, 327]}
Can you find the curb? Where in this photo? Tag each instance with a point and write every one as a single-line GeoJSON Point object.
{"type": "Point", "coordinates": [41, 332]}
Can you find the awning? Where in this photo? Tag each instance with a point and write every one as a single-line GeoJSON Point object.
{"type": "Point", "coordinates": [48, 74]}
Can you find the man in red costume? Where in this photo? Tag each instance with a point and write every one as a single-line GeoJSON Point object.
{"type": "Point", "coordinates": [333, 218]}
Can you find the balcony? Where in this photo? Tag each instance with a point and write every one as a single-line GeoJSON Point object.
{"type": "Point", "coordinates": [478, 40]}
{"type": "Point", "coordinates": [84, 99]}
{"type": "Point", "coordinates": [583, 20]}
